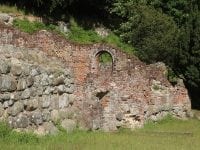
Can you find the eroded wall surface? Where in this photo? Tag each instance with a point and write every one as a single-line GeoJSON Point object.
{"type": "Point", "coordinates": [126, 94]}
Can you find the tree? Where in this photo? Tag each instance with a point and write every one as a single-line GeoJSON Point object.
{"type": "Point", "coordinates": [189, 55]}
{"type": "Point", "coordinates": [152, 33]}
{"type": "Point", "coordinates": [178, 9]}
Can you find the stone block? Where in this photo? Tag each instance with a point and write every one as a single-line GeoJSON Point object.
{"type": "Point", "coordinates": [49, 90]}
{"type": "Point", "coordinates": [54, 102]}
{"type": "Point", "coordinates": [30, 81]}
{"type": "Point", "coordinates": [45, 101]}
{"type": "Point", "coordinates": [72, 98]}
{"type": "Point", "coordinates": [26, 94]}
{"type": "Point", "coordinates": [40, 91]}
{"type": "Point", "coordinates": [4, 67]}
{"type": "Point", "coordinates": [45, 80]}
{"type": "Point", "coordinates": [7, 84]}
{"type": "Point", "coordinates": [32, 104]}
{"type": "Point", "coordinates": [68, 81]}
{"type": "Point", "coordinates": [16, 70]}
{"type": "Point", "coordinates": [47, 128]}
{"type": "Point", "coordinates": [69, 125]}
{"type": "Point", "coordinates": [37, 81]}
{"type": "Point", "coordinates": [16, 109]}
{"type": "Point", "coordinates": [55, 117]}
{"type": "Point", "coordinates": [61, 89]}
{"type": "Point", "coordinates": [58, 81]}
{"type": "Point", "coordinates": [69, 89]}
{"type": "Point", "coordinates": [10, 102]}
{"type": "Point", "coordinates": [5, 105]}
{"type": "Point", "coordinates": [21, 85]}
{"type": "Point", "coordinates": [46, 115]}
{"type": "Point", "coordinates": [21, 121]}
{"type": "Point", "coordinates": [34, 91]}
{"type": "Point", "coordinates": [63, 101]}
{"type": "Point", "coordinates": [6, 19]}
{"type": "Point", "coordinates": [16, 96]}
{"type": "Point", "coordinates": [36, 118]}
{"type": "Point", "coordinates": [35, 72]}
{"type": "Point", "coordinates": [119, 116]}
{"type": "Point", "coordinates": [4, 97]}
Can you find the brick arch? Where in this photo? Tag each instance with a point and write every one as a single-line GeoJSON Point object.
{"type": "Point", "coordinates": [111, 52]}
{"type": "Point", "coordinates": [99, 51]}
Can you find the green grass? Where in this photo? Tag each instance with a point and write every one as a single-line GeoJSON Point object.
{"type": "Point", "coordinates": [114, 40]}
{"type": "Point", "coordinates": [7, 135]}
{"type": "Point", "coordinates": [77, 34]}
{"type": "Point", "coordinates": [168, 134]}
{"type": "Point", "coordinates": [80, 35]}
{"type": "Point", "coordinates": [31, 27]}
{"type": "Point", "coordinates": [10, 9]}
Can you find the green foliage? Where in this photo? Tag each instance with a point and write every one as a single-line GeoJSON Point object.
{"type": "Point", "coordinates": [80, 35]}
{"type": "Point", "coordinates": [167, 31]}
{"type": "Point", "coordinates": [31, 27]}
{"type": "Point", "coordinates": [84, 36]}
{"type": "Point", "coordinates": [156, 87]}
{"type": "Point", "coordinates": [189, 54]}
{"type": "Point", "coordinates": [172, 77]}
{"type": "Point", "coordinates": [153, 34]}
{"type": "Point", "coordinates": [115, 40]}
{"type": "Point", "coordinates": [105, 58]}
{"type": "Point", "coordinates": [178, 9]}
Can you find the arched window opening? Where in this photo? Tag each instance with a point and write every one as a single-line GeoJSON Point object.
{"type": "Point", "coordinates": [104, 62]}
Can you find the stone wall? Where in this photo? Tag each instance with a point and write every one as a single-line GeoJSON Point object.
{"type": "Point", "coordinates": [35, 92]}
{"type": "Point", "coordinates": [127, 95]}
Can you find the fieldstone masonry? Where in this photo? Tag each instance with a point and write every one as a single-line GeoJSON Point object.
{"type": "Point", "coordinates": [35, 92]}
{"type": "Point", "coordinates": [46, 79]}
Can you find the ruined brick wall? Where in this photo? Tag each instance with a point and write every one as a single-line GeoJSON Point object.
{"type": "Point", "coordinates": [126, 96]}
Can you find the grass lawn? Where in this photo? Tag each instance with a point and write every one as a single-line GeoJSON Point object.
{"type": "Point", "coordinates": [169, 134]}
